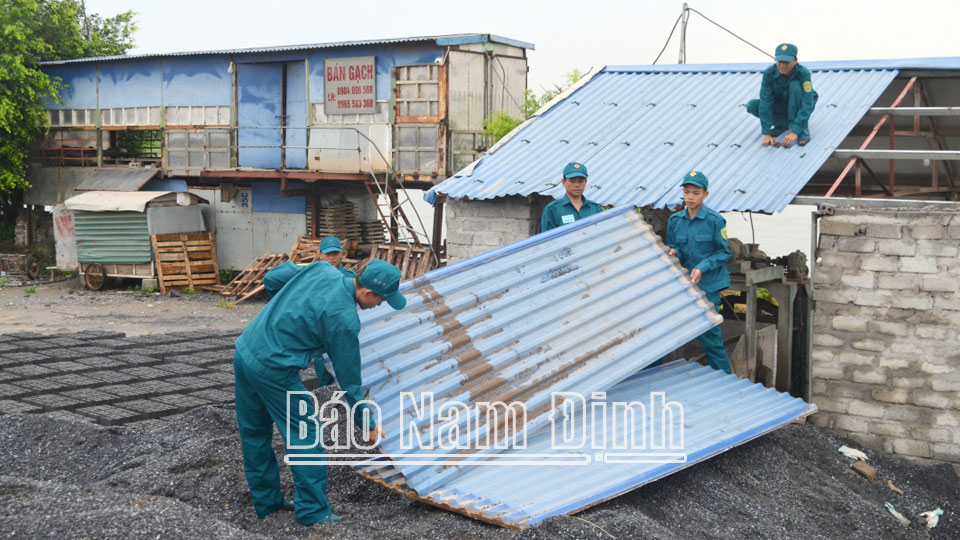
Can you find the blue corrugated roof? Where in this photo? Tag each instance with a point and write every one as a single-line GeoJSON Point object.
{"type": "Point", "coordinates": [639, 129]}
{"type": "Point", "coordinates": [575, 309]}
{"type": "Point", "coordinates": [719, 412]}
{"type": "Point", "coordinates": [442, 40]}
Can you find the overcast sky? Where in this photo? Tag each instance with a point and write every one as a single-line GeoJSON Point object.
{"type": "Point", "coordinates": [567, 34]}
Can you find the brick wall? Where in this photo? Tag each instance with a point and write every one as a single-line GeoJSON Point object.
{"type": "Point", "coordinates": [475, 227]}
{"type": "Point", "coordinates": [886, 345]}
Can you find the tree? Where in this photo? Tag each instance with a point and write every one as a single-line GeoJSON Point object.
{"type": "Point", "coordinates": [500, 123]}
{"type": "Point", "coordinates": [35, 31]}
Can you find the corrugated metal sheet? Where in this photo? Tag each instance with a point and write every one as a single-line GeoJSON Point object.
{"type": "Point", "coordinates": [578, 308]}
{"type": "Point", "coordinates": [442, 40]}
{"type": "Point", "coordinates": [112, 237]}
{"type": "Point", "coordinates": [117, 179]}
{"type": "Point", "coordinates": [113, 201]}
{"type": "Point", "coordinates": [719, 412]}
{"type": "Point", "coordinates": [639, 130]}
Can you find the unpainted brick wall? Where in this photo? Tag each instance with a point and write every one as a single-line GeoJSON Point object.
{"type": "Point", "coordinates": [475, 227]}
{"type": "Point", "coordinates": [886, 337]}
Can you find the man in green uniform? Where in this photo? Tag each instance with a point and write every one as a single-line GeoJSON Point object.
{"type": "Point", "coordinates": [698, 237]}
{"type": "Point", "coordinates": [573, 205]}
{"type": "Point", "coordinates": [313, 311]}
{"type": "Point", "coordinates": [787, 99]}
{"type": "Point", "coordinates": [332, 252]}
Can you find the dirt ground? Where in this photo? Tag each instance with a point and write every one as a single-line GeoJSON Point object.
{"type": "Point", "coordinates": [66, 306]}
{"type": "Point", "coordinates": [62, 476]}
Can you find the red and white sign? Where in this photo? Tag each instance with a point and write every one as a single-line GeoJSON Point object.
{"type": "Point", "coordinates": [350, 85]}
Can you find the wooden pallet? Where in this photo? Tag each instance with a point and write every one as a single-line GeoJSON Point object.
{"type": "Point", "coordinates": [411, 261]}
{"type": "Point", "coordinates": [185, 260]}
{"type": "Point", "coordinates": [249, 283]}
{"type": "Point", "coordinates": [307, 250]}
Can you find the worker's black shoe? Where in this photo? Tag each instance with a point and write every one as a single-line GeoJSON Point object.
{"type": "Point", "coordinates": [803, 142]}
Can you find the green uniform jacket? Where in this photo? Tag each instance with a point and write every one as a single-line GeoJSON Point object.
{"type": "Point", "coordinates": [313, 311]}
{"type": "Point", "coordinates": [274, 279]}
{"type": "Point", "coordinates": [561, 211]}
{"type": "Point", "coordinates": [701, 243]}
{"type": "Point", "coordinates": [774, 88]}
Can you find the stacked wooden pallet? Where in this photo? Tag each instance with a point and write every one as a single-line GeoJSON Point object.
{"type": "Point", "coordinates": [339, 220]}
{"type": "Point", "coordinates": [185, 260]}
{"type": "Point", "coordinates": [307, 250]}
{"type": "Point", "coordinates": [249, 283]}
{"type": "Point", "coordinates": [373, 232]}
{"type": "Point", "coordinates": [411, 261]}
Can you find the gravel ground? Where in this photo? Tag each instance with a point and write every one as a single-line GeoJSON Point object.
{"type": "Point", "coordinates": [63, 477]}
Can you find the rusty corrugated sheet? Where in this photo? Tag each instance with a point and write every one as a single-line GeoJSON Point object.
{"type": "Point", "coordinates": [577, 309]}
{"type": "Point", "coordinates": [639, 129]}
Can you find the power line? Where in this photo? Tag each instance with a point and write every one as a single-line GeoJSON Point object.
{"type": "Point", "coordinates": [722, 28]}
{"type": "Point", "coordinates": [668, 37]}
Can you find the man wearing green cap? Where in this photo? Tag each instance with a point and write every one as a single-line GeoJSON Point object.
{"type": "Point", "coordinates": [313, 311]}
{"type": "Point", "coordinates": [330, 251]}
{"type": "Point", "coordinates": [573, 205]}
{"type": "Point", "coordinates": [787, 99]}
{"type": "Point", "coordinates": [698, 237]}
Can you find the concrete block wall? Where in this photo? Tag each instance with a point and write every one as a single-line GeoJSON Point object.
{"type": "Point", "coordinates": [886, 336]}
{"type": "Point", "coordinates": [475, 227]}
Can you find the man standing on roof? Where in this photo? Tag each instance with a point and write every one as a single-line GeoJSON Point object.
{"type": "Point", "coordinates": [787, 99]}
{"type": "Point", "coordinates": [573, 205]}
{"type": "Point", "coordinates": [698, 237]}
{"type": "Point", "coordinates": [313, 311]}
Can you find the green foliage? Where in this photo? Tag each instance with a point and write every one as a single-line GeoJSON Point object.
{"type": "Point", "coordinates": [35, 31]}
{"type": "Point", "coordinates": [498, 124]}
{"type": "Point", "coordinates": [30, 290]}
{"type": "Point", "coordinates": [189, 290]}
{"type": "Point", "coordinates": [226, 276]}
{"type": "Point", "coordinates": [3, 281]}
{"type": "Point", "coordinates": [225, 304]}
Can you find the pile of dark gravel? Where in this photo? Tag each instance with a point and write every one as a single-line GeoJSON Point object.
{"type": "Point", "coordinates": [63, 477]}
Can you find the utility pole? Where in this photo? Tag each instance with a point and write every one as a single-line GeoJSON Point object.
{"type": "Point", "coordinates": [684, 17]}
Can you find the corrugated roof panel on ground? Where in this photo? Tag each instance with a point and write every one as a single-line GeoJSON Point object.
{"type": "Point", "coordinates": [577, 308]}
{"type": "Point", "coordinates": [639, 130]}
{"type": "Point", "coordinates": [719, 412]}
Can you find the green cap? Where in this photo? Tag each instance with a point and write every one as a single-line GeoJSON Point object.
{"type": "Point", "coordinates": [695, 178]}
{"type": "Point", "coordinates": [786, 52]}
{"type": "Point", "coordinates": [383, 278]}
{"type": "Point", "coordinates": [574, 169]}
{"type": "Point", "coordinates": [329, 244]}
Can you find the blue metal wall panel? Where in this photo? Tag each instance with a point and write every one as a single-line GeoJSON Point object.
{"type": "Point", "coordinates": [259, 96]}
{"type": "Point", "coordinates": [197, 81]}
{"type": "Point", "coordinates": [135, 83]}
{"type": "Point", "coordinates": [638, 131]}
{"type": "Point", "coordinates": [79, 86]}
{"type": "Point", "coordinates": [267, 198]}
{"type": "Point", "coordinates": [296, 158]}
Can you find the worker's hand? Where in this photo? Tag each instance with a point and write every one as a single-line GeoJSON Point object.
{"type": "Point", "coordinates": [789, 139]}
{"type": "Point", "coordinates": [769, 140]}
{"type": "Point", "coordinates": [695, 276]}
{"type": "Point", "coordinates": [672, 252]}
{"type": "Point", "coordinates": [374, 435]}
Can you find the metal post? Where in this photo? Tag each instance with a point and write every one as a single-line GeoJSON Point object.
{"type": "Point", "coordinates": [438, 224]}
{"type": "Point", "coordinates": [873, 133]}
{"type": "Point", "coordinates": [684, 17]}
